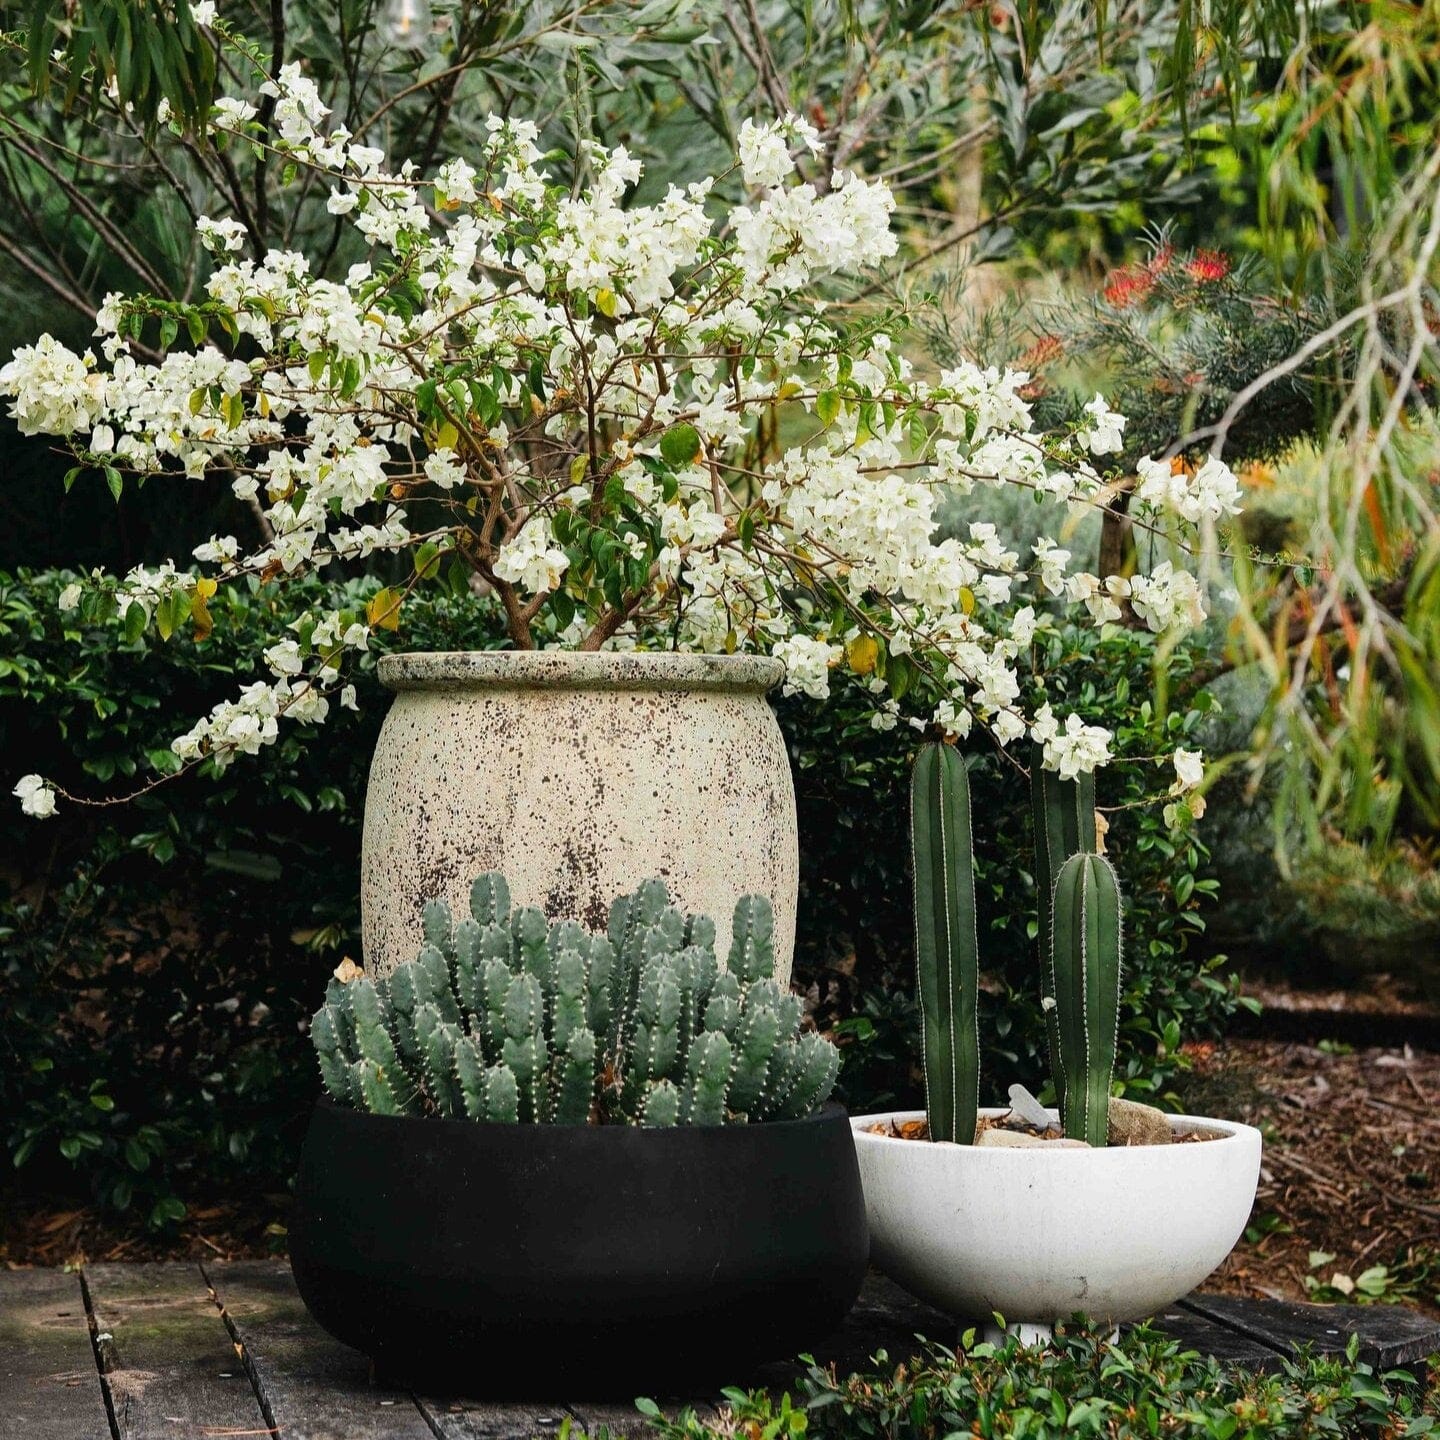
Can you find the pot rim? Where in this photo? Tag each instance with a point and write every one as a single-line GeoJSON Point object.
{"type": "Point", "coordinates": [439, 1124]}
{"type": "Point", "coordinates": [579, 670]}
{"type": "Point", "coordinates": [1230, 1133]}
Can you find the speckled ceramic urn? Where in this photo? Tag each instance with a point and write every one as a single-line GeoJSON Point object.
{"type": "Point", "coordinates": [578, 775]}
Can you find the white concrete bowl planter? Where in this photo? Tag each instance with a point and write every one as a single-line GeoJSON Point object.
{"type": "Point", "coordinates": [1042, 1233]}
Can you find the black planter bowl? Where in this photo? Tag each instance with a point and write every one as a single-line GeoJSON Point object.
{"type": "Point", "coordinates": [524, 1259]}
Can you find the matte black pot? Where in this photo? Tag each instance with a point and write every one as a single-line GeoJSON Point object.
{"type": "Point", "coordinates": [524, 1258]}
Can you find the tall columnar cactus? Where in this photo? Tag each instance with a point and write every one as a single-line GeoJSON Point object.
{"type": "Point", "coordinates": [1085, 946]}
{"type": "Point", "coordinates": [1064, 816]}
{"type": "Point", "coordinates": [946, 944]}
{"type": "Point", "coordinates": [503, 1017]}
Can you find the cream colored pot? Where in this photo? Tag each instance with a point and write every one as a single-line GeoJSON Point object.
{"type": "Point", "coordinates": [578, 775]}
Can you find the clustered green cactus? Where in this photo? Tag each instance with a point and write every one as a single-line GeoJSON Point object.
{"type": "Point", "coordinates": [1080, 938]}
{"type": "Point", "coordinates": [505, 1017]}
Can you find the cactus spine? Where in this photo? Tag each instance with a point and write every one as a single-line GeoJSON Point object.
{"type": "Point", "coordinates": [503, 1017]}
{"type": "Point", "coordinates": [1085, 947]}
{"type": "Point", "coordinates": [946, 944]}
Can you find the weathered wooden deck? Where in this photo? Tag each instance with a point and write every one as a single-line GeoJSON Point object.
{"type": "Point", "coordinates": [136, 1352]}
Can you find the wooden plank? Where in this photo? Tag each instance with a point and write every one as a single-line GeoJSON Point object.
{"type": "Point", "coordinates": [168, 1362]}
{"type": "Point", "coordinates": [311, 1387]}
{"type": "Point", "coordinates": [459, 1419]}
{"type": "Point", "coordinates": [1390, 1335]}
{"type": "Point", "coordinates": [624, 1420]}
{"type": "Point", "coordinates": [620, 1420]}
{"type": "Point", "coordinates": [887, 1318]}
{"type": "Point", "coordinates": [1210, 1337]}
{"type": "Point", "coordinates": [49, 1384]}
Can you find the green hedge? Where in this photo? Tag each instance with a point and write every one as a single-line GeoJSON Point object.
{"type": "Point", "coordinates": [160, 958]}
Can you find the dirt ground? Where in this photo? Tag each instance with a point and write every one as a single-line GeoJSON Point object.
{"type": "Point", "coordinates": [1351, 1171]}
{"type": "Point", "coordinates": [1351, 1177]}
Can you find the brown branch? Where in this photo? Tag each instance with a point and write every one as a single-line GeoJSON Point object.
{"type": "Point", "coordinates": [114, 237]}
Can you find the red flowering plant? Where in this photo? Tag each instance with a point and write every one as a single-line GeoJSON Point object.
{"type": "Point", "coordinates": [1172, 338]}
{"type": "Point", "coordinates": [1179, 333]}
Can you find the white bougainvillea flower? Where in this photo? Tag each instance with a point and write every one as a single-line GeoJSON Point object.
{"type": "Point", "coordinates": [577, 392]}
{"type": "Point", "coordinates": [36, 796]}
{"type": "Point", "coordinates": [1189, 768]}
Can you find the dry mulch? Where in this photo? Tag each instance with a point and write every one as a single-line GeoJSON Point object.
{"type": "Point", "coordinates": [1351, 1168]}
{"type": "Point", "coordinates": [36, 1233]}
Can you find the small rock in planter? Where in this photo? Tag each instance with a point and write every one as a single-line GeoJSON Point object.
{"type": "Point", "coordinates": [1020, 1139]}
{"type": "Point", "coordinates": [1131, 1123]}
{"type": "Point", "coordinates": [1025, 1108]}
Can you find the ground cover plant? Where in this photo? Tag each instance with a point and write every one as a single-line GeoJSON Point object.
{"type": "Point", "coordinates": [1140, 1387]}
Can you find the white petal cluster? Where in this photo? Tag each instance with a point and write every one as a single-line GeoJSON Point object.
{"type": "Point", "coordinates": [1073, 748]}
{"type": "Point", "coordinates": [795, 236]}
{"type": "Point", "coordinates": [764, 150]}
{"type": "Point", "coordinates": [531, 559]}
{"type": "Point", "coordinates": [36, 796]}
{"type": "Point", "coordinates": [1167, 599]}
{"type": "Point", "coordinates": [53, 391]}
{"type": "Point", "coordinates": [1104, 432]}
{"type": "Point", "coordinates": [1211, 492]}
{"type": "Point", "coordinates": [808, 660]}
{"type": "Point", "coordinates": [218, 236]}
{"type": "Point", "coordinates": [1189, 768]}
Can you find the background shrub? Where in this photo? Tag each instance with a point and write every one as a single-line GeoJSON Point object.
{"type": "Point", "coordinates": [160, 958]}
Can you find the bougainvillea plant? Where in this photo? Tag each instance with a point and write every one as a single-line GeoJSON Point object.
{"type": "Point", "coordinates": [576, 399]}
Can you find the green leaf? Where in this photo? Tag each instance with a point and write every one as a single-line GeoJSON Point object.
{"type": "Point", "coordinates": [827, 405]}
{"type": "Point", "coordinates": [113, 480]}
{"type": "Point", "coordinates": [680, 445]}
{"type": "Point", "coordinates": [134, 622]}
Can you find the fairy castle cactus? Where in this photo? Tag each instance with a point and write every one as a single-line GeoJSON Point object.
{"type": "Point", "coordinates": [1080, 944]}
{"type": "Point", "coordinates": [946, 946]}
{"type": "Point", "coordinates": [1064, 817]}
{"type": "Point", "coordinates": [504, 1017]}
{"type": "Point", "coordinates": [1085, 946]}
